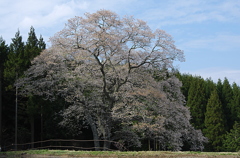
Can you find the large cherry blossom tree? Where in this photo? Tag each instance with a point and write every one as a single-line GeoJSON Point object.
{"type": "Point", "coordinates": [114, 73]}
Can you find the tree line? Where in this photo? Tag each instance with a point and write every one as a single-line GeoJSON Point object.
{"type": "Point", "coordinates": [215, 109]}
{"type": "Point", "coordinates": [107, 78]}
{"type": "Point", "coordinates": [16, 110]}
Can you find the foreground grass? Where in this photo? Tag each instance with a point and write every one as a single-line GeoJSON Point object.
{"type": "Point", "coordinates": [129, 154]}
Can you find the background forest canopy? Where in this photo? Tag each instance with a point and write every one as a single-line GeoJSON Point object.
{"type": "Point", "coordinates": [110, 78]}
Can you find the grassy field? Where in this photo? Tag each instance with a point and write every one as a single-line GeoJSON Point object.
{"type": "Point", "coordinates": [118, 154]}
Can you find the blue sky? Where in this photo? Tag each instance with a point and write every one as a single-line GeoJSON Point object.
{"type": "Point", "coordinates": [207, 30]}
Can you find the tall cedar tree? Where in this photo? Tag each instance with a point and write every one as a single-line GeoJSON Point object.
{"type": "Point", "coordinates": [235, 103]}
{"type": "Point", "coordinates": [214, 122]}
{"type": "Point", "coordinates": [19, 59]}
{"type": "Point", "coordinates": [197, 102]}
{"type": "Point", "coordinates": [14, 66]}
{"type": "Point", "coordinates": [226, 102]}
{"type": "Point", "coordinates": [219, 89]}
{"type": "Point", "coordinates": [3, 57]}
{"type": "Point", "coordinates": [209, 87]}
{"type": "Point", "coordinates": [41, 43]}
{"type": "Point", "coordinates": [32, 49]}
{"type": "Point", "coordinates": [232, 139]}
{"type": "Point", "coordinates": [186, 80]}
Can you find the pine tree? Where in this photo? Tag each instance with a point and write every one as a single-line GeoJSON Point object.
{"type": "Point", "coordinates": [41, 43]}
{"type": "Point", "coordinates": [186, 80]}
{"type": "Point", "coordinates": [209, 87]}
{"type": "Point", "coordinates": [14, 66]}
{"type": "Point", "coordinates": [226, 102]}
{"type": "Point", "coordinates": [235, 103]}
{"type": "Point", "coordinates": [219, 89]}
{"type": "Point", "coordinates": [197, 102]}
{"type": "Point", "coordinates": [31, 47]}
{"type": "Point", "coordinates": [232, 140]}
{"type": "Point", "coordinates": [3, 57]}
{"type": "Point", "coordinates": [214, 122]}
{"type": "Point", "coordinates": [17, 61]}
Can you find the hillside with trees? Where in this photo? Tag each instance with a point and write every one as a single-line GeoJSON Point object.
{"type": "Point", "coordinates": [105, 77]}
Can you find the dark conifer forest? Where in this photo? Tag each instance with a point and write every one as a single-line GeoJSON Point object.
{"type": "Point", "coordinates": [214, 107]}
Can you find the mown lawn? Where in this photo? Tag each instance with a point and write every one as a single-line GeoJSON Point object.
{"type": "Point", "coordinates": [119, 154]}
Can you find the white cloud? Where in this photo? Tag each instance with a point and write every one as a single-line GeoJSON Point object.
{"type": "Point", "coordinates": [174, 12]}
{"type": "Point", "coordinates": [49, 16]}
{"type": "Point", "coordinates": [216, 73]}
{"type": "Point", "coordinates": [41, 14]}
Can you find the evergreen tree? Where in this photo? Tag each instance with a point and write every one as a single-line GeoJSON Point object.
{"type": "Point", "coordinates": [219, 89]}
{"type": "Point", "coordinates": [232, 139]}
{"type": "Point", "coordinates": [31, 47]}
{"type": "Point", "coordinates": [17, 60]}
{"type": "Point", "coordinates": [3, 57]}
{"type": "Point", "coordinates": [186, 80]}
{"type": "Point", "coordinates": [209, 87]}
{"type": "Point", "coordinates": [214, 122]}
{"type": "Point", "coordinates": [197, 102]}
{"type": "Point", "coordinates": [226, 103]}
{"type": "Point", "coordinates": [32, 111]}
{"type": "Point", "coordinates": [235, 103]}
{"type": "Point", "coordinates": [41, 43]}
{"type": "Point", "coordinates": [14, 66]}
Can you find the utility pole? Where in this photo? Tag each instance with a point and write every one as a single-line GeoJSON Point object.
{"type": "Point", "coordinates": [16, 113]}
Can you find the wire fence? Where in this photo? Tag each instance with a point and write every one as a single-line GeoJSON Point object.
{"type": "Point", "coordinates": [66, 144]}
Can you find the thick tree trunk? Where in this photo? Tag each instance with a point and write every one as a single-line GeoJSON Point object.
{"type": "Point", "coordinates": [107, 144]}
{"type": "Point", "coordinates": [95, 137]}
{"type": "Point", "coordinates": [94, 132]}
